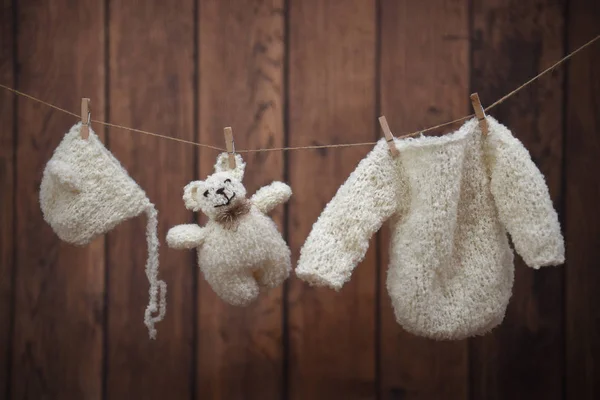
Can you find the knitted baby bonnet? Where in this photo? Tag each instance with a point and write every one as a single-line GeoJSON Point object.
{"type": "Point", "coordinates": [85, 192]}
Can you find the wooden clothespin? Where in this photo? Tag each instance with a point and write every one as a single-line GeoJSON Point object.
{"type": "Point", "coordinates": [230, 145]}
{"type": "Point", "coordinates": [85, 118]}
{"type": "Point", "coordinates": [479, 113]}
{"type": "Point", "coordinates": [389, 138]}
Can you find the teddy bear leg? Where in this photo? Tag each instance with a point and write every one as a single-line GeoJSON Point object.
{"type": "Point", "coordinates": [272, 273]}
{"type": "Point", "coordinates": [236, 289]}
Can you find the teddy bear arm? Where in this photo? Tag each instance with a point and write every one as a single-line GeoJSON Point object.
{"type": "Point", "coordinates": [270, 196]}
{"type": "Point", "coordinates": [185, 236]}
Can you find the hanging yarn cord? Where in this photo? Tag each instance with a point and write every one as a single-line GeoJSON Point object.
{"type": "Point", "coordinates": [326, 146]}
{"type": "Point", "coordinates": [158, 288]}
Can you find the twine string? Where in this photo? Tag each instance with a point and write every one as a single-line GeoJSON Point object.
{"type": "Point", "coordinates": [325, 146]}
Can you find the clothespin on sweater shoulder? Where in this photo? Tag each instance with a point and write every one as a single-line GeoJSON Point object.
{"type": "Point", "coordinates": [230, 146]}
{"type": "Point", "coordinates": [389, 138]}
{"type": "Point", "coordinates": [479, 113]}
{"type": "Point", "coordinates": [85, 118]}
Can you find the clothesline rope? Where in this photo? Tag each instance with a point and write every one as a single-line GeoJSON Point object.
{"type": "Point", "coordinates": [326, 146]}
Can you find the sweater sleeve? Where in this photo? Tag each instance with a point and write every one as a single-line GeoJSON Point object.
{"type": "Point", "coordinates": [339, 239]}
{"type": "Point", "coordinates": [522, 199]}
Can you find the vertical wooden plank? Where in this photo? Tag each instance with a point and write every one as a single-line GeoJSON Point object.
{"type": "Point", "coordinates": [582, 197]}
{"type": "Point", "coordinates": [512, 42]}
{"type": "Point", "coordinates": [7, 170]}
{"type": "Point", "coordinates": [58, 334]}
{"type": "Point", "coordinates": [332, 100]}
{"type": "Point", "coordinates": [151, 88]}
{"type": "Point", "coordinates": [241, 47]}
{"type": "Point", "coordinates": [424, 81]}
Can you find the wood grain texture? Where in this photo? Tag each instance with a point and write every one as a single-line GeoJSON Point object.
{"type": "Point", "coordinates": [241, 49]}
{"type": "Point", "coordinates": [332, 100]}
{"type": "Point", "coordinates": [151, 88]}
{"type": "Point", "coordinates": [57, 343]}
{"type": "Point", "coordinates": [7, 170]}
{"type": "Point", "coordinates": [582, 150]}
{"type": "Point", "coordinates": [512, 42]}
{"type": "Point", "coordinates": [424, 82]}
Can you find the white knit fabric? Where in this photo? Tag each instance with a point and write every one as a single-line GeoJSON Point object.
{"type": "Point", "coordinates": [85, 192]}
{"type": "Point", "coordinates": [449, 200]}
{"type": "Point", "coordinates": [238, 263]}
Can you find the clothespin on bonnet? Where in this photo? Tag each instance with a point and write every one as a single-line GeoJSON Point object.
{"type": "Point", "coordinates": [389, 138]}
{"type": "Point", "coordinates": [479, 113]}
{"type": "Point", "coordinates": [230, 146]}
{"type": "Point", "coordinates": [85, 118]}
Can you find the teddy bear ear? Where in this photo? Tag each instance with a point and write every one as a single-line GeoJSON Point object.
{"type": "Point", "coordinates": [222, 165]}
{"type": "Point", "coordinates": [190, 195]}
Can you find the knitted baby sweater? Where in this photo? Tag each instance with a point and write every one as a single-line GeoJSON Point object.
{"type": "Point", "coordinates": [450, 201]}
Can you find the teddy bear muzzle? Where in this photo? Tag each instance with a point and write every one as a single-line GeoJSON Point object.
{"type": "Point", "coordinates": [229, 199]}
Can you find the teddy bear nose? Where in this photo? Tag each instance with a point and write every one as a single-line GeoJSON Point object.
{"type": "Point", "coordinates": [221, 191]}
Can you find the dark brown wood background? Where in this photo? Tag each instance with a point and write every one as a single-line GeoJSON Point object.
{"type": "Point", "coordinates": [285, 73]}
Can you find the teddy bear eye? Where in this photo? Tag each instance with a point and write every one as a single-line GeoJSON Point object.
{"type": "Point", "coordinates": [227, 180]}
{"type": "Point", "coordinates": [206, 194]}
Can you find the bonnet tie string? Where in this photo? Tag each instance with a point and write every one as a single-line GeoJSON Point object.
{"type": "Point", "coordinates": [157, 301]}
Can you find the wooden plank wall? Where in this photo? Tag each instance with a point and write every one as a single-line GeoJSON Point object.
{"type": "Point", "coordinates": [7, 182]}
{"type": "Point", "coordinates": [57, 326]}
{"type": "Point", "coordinates": [331, 95]}
{"type": "Point", "coordinates": [285, 73]}
{"type": "Point", "coordinates": [156, 98]}
{"type": "Point", "coordinates": [532, 332]}
{"type": "Point", "coordinates": [582, 196]}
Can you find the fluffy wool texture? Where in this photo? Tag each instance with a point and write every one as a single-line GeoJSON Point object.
{"type": "Point", "coordinates": [85, 192]}
{"type": "Point", "coordinates": [240, 251]}
{"type": "Point", "coordinates": [450, 201]}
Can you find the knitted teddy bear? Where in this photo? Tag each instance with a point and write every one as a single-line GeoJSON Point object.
{"type": "Point", "coordinates": [240, 250]}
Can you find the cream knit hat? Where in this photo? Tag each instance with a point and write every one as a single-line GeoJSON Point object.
{"type": "Point", "coordinates": [85, 192]}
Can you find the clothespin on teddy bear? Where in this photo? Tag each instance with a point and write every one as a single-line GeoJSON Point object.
{"type": "Point", "coordinates": [230, 146]}
{"type": "Point", "coordinates": [389, 138]}
{"type": "Point", "coordinates": [479, 113]}
{"type": "Point", "coordinates": [85, 118]}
